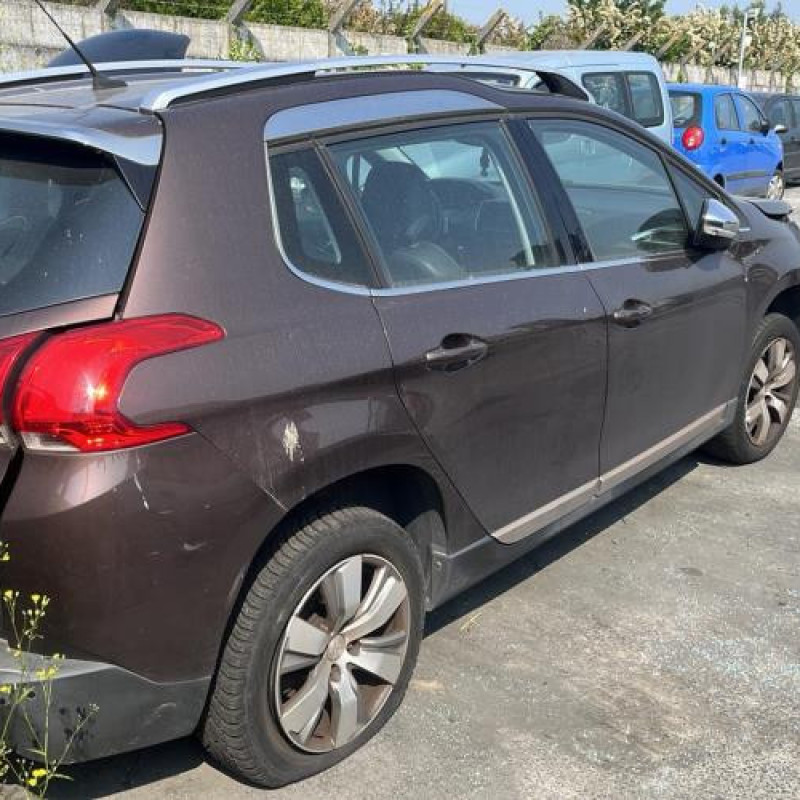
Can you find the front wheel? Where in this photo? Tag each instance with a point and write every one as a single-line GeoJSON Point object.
{"type": "Point", "coordinates": [322, 650]}
{"type": "Point", "coordinates": [777, 186]}
{"type": "Point", "coordinates": [767, 396]}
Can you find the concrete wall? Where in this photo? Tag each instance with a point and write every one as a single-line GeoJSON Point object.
{"type": "Point", "coordinates": [29, 40]}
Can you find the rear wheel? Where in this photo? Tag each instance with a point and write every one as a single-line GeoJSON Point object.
{"type": "Point", "coordinates": [767, 396]}
{"type": "Point", "coordinates": [322, 650]}
{"type": "Point", "coordinates": [777, 186]}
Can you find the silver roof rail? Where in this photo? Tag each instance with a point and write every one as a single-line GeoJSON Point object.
{"type": "Point", "coordinates": [160, 100]}
{"type": "Point", "coordinates": [47, 74]}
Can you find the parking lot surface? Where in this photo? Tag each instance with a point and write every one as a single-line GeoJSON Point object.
{"type": "Point", "coordinates": [652, 651]}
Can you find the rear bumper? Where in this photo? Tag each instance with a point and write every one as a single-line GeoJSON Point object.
{"type": "Point", "coordinates": [125, 711]}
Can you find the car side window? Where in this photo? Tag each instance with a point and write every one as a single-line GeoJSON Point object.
{"type": "Point", "coordinates": [447, 204]}
{"type": "Point", "coordinates": [618, 187]}
{"type": "Point", "coordinates": [607, 90]}
{"type": "Point", "coordinates": [314, 230]}
{"type": "Point", "coordinates": [725, 113]}
{"type": "Point", "coordinates": [648, 106]}
{"type": "Point", "coordinates": [753, 118]}
{"type": "Point", "coordinates": [780, 113]}
{"type": "Point", "coordinates": [796, 110]}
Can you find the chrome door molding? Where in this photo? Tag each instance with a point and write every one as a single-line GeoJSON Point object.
{"type": "Point", "coordinates": [572, 501]}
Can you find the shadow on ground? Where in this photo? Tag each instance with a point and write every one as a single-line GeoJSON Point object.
{"type": "Point", "coordinates": [108, 776]}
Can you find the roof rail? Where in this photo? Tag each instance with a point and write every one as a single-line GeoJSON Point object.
{"type": "Point", "coordinates": [237, 79]}
{"type": "Point", "coordinates": [77, 71]}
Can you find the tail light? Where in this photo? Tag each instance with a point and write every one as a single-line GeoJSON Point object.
{"type": "Point", "coordinates": [693, 137]}
{"type": "Point", "coordinates": [68, 392]}
{"type": "Point", "coordinates": [10, 351]}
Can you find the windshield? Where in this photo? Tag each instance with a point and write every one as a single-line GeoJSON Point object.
{"type": "Point", "coordinates": [68, 224]}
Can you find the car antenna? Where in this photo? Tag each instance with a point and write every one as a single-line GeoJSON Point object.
{"type": "Point", "coordinates": [99, 81]}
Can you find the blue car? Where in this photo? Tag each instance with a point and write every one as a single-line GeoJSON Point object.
{"type": "Point", "coordinates": [729, 138]}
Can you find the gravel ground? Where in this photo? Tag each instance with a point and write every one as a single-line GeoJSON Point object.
{"type": "Point", "coordinates": [649, 652]}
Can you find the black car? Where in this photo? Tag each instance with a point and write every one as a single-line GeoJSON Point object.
{"type": "Point", "coordinates": [290, 356]}
{"type": "Point", "coordinates": [783, 112]}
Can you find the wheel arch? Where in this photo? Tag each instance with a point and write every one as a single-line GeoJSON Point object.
{"type": "Point", "coordinates": [787, 302]}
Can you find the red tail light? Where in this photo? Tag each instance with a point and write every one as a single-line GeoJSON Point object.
{"type": "Point", "coordinates": [693, 137]}
{"type": "Point", "coordinates": [69, 389]}
{"type": "Point", "coordinates": [10, 351]}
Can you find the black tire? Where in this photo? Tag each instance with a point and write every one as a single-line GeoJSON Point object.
{"type": "Point", "coordinates": [241, 729]}
{"type": "Point", "coordinates": [734, 444]}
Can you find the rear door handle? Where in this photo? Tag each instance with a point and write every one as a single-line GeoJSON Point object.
{"type": "Point", "coordinates": [632, 313]}
{"type": "Point", "coordinates": [457, 351]}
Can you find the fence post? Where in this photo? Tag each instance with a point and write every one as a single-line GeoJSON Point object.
{"type": "Point", "coordinates": [431, 10]}
{"type": "Point", "coordinates": [489, 27]}
{"type": "Point", "coordinates": [339, 18]}
{"type": "Point", "coordinates": [671, 42]}
{"type": "Point", "coordinates": [634, 40]}
{"type": "Point", "coordinates": [236, 12]}
{"type": "Point", "coordinates": [594, 37]}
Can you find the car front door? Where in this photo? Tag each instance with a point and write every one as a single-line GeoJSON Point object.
{"type": "Point", "coordinates": [780, 112]}
{"type": "Point", "coordinates": [792, 141]}
{"type": "Point", "coordinates": [499, 346]}
{"type": "Point", "coordinates": [762, 147]}
{"type": "Point", "coordinates": [731, 155]}
{"type": "Point", "coordinates": [676, 315]}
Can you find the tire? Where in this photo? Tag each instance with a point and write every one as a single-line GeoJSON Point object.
{"type": "Point", "coordinates": [777, 186]}
{"type": "Point", "coordinates": [742, 443]}
{"type": "Point", "coordinates": [244, 729]}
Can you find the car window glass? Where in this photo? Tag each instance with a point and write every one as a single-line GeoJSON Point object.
{"type": "Point", "coordinates": [692, 194]}
{"type": "Point", "coordinates": [686, 108]}
{"type": "Point", "coordinates": [619, 188]}
{"type": "Point", "coordinates": [645, 90]}
{"type": "Point", "coordinates": [780, 113]}
{"type": "Point", "coordinates": [796, 109]}
{"type": "Point", "coordinates": [753, 119]}
{"type": "Point", "coordinates": [448, 204]}
{"type": "Point", "coordinates": [725, 113]}
{"type": "Point", "coordinates": [607, 90]}
{"type": "Point", "coordinates": [315, 232]}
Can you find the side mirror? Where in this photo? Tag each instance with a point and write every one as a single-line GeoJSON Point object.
{"type": "Point", "coordinates": [780, 128]}
{"type": "Point", "coordinates": [765, 127]}
{"type": "Point", "coordinates": [718, 226]}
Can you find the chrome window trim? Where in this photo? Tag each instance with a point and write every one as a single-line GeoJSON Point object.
{"type": "Point", "coordinates": [574, 500]}
{"type": "Point", "coordinates": [345, 288]}
{"type": "Point", "coordinates": [331, 115]}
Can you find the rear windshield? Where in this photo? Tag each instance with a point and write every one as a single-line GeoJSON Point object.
{"type": "Point", "coordinates": [68, 224]}
{"type": "Point", "coordinates": [686, 108]}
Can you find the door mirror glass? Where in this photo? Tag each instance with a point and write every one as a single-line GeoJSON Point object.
{"type": "Point", "coordinates": [718, 227]}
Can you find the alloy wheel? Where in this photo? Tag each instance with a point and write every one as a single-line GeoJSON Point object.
{"type": "Point", "coordinates": [341, 654]}
{"type": "Point", "coordinates": [770, 392]}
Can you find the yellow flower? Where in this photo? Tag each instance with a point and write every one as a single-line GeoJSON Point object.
{"type": "Point", "coordinates": [5, 689]}
{"type": "Point", "coordinates": [36, 598]}
{"type": "Point", "coordinates": [39, 773]}
{"type": "Point", "coordinates": [8, 594]}
{"type": "Point", "coordinates": [32, 781]}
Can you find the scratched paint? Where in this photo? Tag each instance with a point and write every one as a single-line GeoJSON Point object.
{"type": "Point", "coordinates": [291, 442]}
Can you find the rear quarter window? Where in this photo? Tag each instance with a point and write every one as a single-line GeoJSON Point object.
{"type": "Point", "coordinates": [646, 102]}
{"type": "Point", "coordinates": [68, 224]}
{"type": "Point", "coordinates": [687, 108]}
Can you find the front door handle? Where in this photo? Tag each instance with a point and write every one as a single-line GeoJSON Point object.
{"type": "Point", "coordinates": [632, 313]}
{"type": "Point", "coordinates": [457, 351]}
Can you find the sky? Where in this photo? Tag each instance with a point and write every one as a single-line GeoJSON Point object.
{"type": "Point", "coordinates": [479, 10]}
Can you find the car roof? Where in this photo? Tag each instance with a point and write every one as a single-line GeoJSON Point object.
{"type": "Point", "coordinates": [703, 88]}
{"type": "Point", "coordinates": [64, 103]}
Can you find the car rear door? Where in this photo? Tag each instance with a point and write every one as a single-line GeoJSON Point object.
{"type": "Point", "coordinates": [791, 141]}
{"type": "Point", "coordinates": [676, 315]}
{"type": "Point", "coordinates": [498, 344]}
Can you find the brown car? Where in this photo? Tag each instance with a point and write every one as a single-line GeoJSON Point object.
{"type": "Point", "coordinates": [291, 356]}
